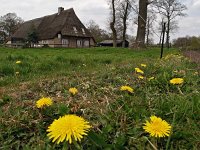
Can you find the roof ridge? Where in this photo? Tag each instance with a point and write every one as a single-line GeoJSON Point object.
{"type": "Point", "coordinates": [50, 25]}
{"type": "Point", "coordinates": [70, 9]}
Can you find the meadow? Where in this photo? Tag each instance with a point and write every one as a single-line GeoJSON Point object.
{"type": "Point", "coordinates": [116, 116]}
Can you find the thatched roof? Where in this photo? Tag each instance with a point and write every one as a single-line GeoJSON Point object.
{"type": "Point", "coordinates": [47, 27]}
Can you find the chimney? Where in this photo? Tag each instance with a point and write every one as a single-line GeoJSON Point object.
{"type": "Point", "coordinates": [60, 9]}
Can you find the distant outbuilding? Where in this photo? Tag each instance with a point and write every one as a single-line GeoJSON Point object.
{"type": "Point", "coordinates": [109, 43]}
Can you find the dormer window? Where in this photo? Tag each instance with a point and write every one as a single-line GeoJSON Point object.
{"type": "Point", "coordinates": [75, 30]}
{"type": "Point", "coordinates": [83, 30]}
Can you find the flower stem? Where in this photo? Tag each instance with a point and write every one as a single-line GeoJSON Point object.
{"type": "Point", "coordinates": [180, 90]}
{"type": "Point", "coordinates": [77, 145]}
{"type": "Point", "coordinates": [153, 146]}
{"type": "Point", "coordinates": [65, 147]}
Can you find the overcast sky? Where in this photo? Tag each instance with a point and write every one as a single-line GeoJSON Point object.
{"type": "Point", "coordinates": [96, 10]}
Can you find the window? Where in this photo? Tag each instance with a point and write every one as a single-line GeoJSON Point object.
{"type": "Point", "coordinates": [83, 30]}
{"type": "Point", "coordinates": [65, 42]}
{"type": "Point", "coordinates": [86, 43]}
{"type": "Point", "coordinates": [45, 42]}
{"type": "Point", "coordinates": [75, 30]}
{"type": "Point", "coordinates": [79, 43]}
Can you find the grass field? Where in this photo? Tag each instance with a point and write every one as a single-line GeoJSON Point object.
{"type": "Point", "coordinates": [117, 117]}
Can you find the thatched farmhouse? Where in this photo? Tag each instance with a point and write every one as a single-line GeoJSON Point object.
{"type": "Point", "coordinates": [62, 29]}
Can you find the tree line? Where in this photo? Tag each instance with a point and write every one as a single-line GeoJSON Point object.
{"type": "Point", "coordinates": [187, 43]}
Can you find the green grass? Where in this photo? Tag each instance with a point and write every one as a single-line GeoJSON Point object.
{"type": "Point", "coordinates": [98, 73]}
{"type": "Point", "coordinates": [38, 63]}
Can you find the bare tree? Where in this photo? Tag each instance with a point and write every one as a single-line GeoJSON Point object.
{"type": "Point", "coordinates": [113, 22]}
{"type": "Point", "coordinates": [151, 17]}
{"type": "Point", "coordinates": [160, 30]}
{"type": "Point", "coordinates": [124, 12]}
{"type": "Point", "coordinates": [170, 9]}
{"type": "Point", "coordinates": [98, 33]}
{"type": "Point", "coordinates": [9, 23]}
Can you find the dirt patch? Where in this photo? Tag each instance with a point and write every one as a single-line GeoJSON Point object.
{"type": "Point", "coordinates": [193, 56]}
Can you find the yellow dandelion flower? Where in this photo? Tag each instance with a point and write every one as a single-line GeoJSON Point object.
{"type": "Point", "coordinates": [73, 91]}
{"type": "Point", "coordinates": [126, 88]}
{"type": "Point", "coordinates": [44, 102]}
{"type": "Point", "coordinates": [151, 78]}
{"type": "Point", "coordinates": [143, 65]}
{"type": "Point", "coordinates": [176, 81]}
{"type": "Point", "coordinates": [67, 128]}
{"type": "Point", "coordinates": [140, 77]}
{"type": "Point", "coordinates": [138, 70]}
{"type": "Point", "coordinates": [18, 62]}
{"type": "Point", "coordinates": [157, 127]}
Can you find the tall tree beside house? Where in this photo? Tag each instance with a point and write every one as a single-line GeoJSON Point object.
{"type": "Point", "coordinates": [142, 18]}
{"type": "Point", "coordinates": [124, 12]}
{"type": "Point", "coordinates": [120, 11]}
{"type": "Point", "coordinates": [170, 10]}
{"type": "Point", "coordinates": [9, 23]}
{"type": "Point", "coordinates": [32, 37]}
{"type": "Point", "coordinates": [113, 21]}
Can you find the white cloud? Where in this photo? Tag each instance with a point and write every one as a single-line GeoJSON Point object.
{"type": "Point", "coordinates": [190, 24]}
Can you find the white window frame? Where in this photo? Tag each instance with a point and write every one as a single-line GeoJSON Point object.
{"type": "Point", "coordinates": [65, 42]}
{"type": "Point", "coordinates": [79, 43]}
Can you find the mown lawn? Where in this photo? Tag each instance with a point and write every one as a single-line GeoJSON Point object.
{"type": "Point", "coordinates": [117, 117]}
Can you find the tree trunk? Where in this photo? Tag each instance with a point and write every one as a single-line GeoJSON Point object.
{"type": "Point", "coordinates": [112, 25]}
{"type": "Point", "coordinates": [142, 17]}
{"type": "Point", "coordinates": [161, 33]}
{"type": "Point", "coordinates": [148, 32]}
{"type": "Point", "coordinates": [168, 31]}
{"type": "Point", "coordinates": [124, 25]}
